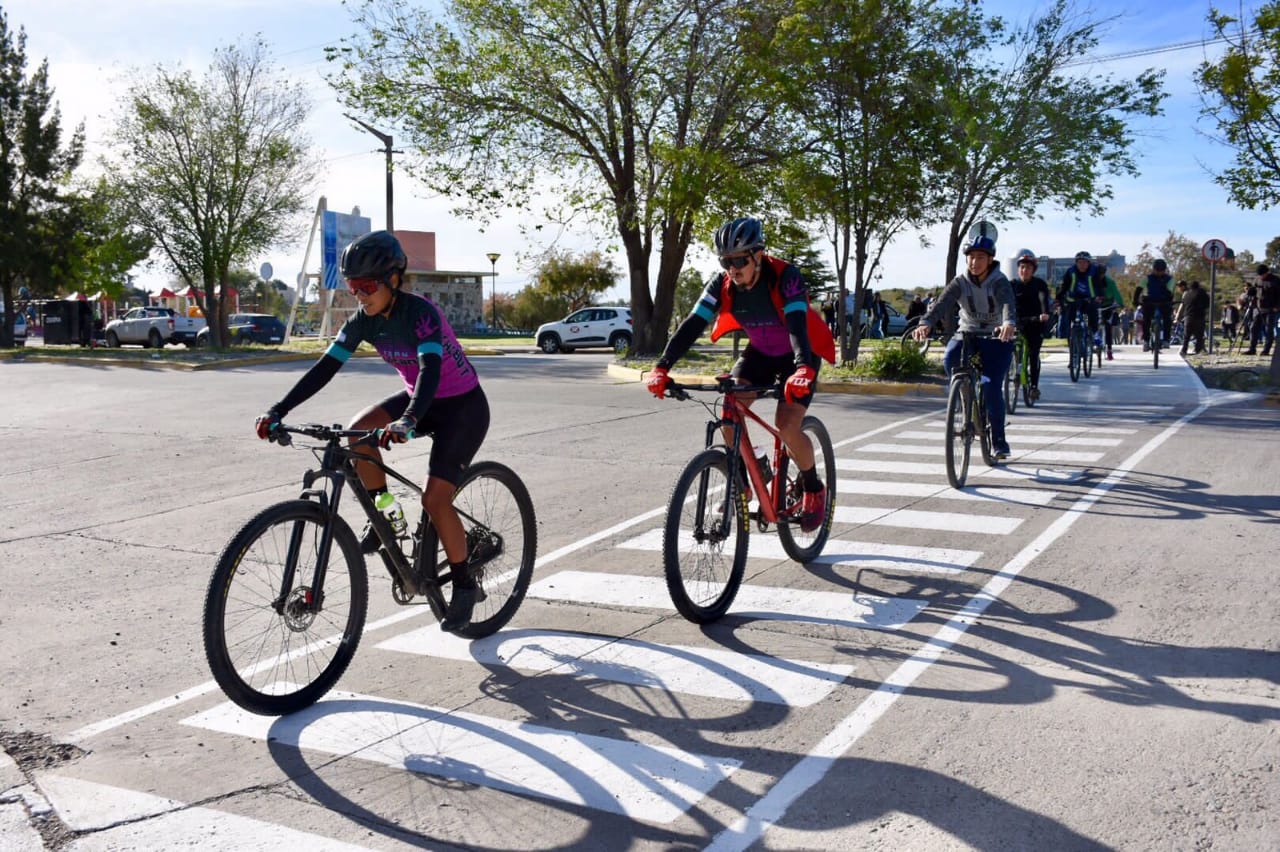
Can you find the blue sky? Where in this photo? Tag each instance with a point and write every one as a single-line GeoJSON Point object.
{"type": "Point", "coordinates": [92, 44]}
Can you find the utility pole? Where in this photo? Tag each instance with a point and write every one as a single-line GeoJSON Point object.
{"type": "Point", "coordinates": [385, 139]}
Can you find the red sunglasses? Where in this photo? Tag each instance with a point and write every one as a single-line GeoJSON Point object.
{"type": "Point", "coordinates": [368, 286]}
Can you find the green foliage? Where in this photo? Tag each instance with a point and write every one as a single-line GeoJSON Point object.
{"type": "Point", "coordinates": [1241, 93]}
{"type": "Point", "coordinates": [563, 283]}
{"type": "Point", "coordinates": [1037, 130]}
{"type": "Point", "coordinates": [893, 361]}
{"type": "Point", "coordinates": [34, 169]}
{"type": "Point", "coordinates": [217, 167]}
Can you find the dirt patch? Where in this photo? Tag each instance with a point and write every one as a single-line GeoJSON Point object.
{"type": "Point", "coordinates": [32, 752]}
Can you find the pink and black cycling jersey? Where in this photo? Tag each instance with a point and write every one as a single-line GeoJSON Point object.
{"type": "Point", "coordinates": [414, 328]}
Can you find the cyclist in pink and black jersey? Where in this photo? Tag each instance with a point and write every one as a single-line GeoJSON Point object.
{"type": "Point", "coordinates": [441, 396]}
{"type": "Point", "coordinates": [768, 300]}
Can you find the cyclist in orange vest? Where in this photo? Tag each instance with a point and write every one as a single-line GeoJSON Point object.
{"type": "Point", "coordinates": [768, 300]}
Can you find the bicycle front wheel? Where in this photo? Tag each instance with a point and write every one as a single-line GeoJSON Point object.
{"type": "Point", "coordinates": [1073, 356]}
{"type": "Point", "coordinates": [277, 648]}
{"type": "Point", "coordinates": [983, 427]}
{"type": "Point", "coordinates": [1087, 349]}
{"type": "Point", "coordinates": [704, 542]}
{"type": "Point", "coordinates": [800, 545]}
{"type": "Point", "coordinates": [1012, 379]}
{"type": "Point", "coordinates": [909, 341]}
{"type": "Point", "coordinates": [502, 543]}
{"type": "Point", "coordinates": [1155, 350]}
{"type": "Point", "coordinates": [959, 431]}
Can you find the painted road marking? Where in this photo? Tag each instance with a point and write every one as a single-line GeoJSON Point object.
{"type": "Point", "coordinates": [620, 776]}
{"type": "Point", "coordinates": [918, 520]}
{"type": "Point", "coordinates": [1056, 427]}
{"type": "Point", "coordinates": [767, 602]}
{"type": "Point", "coordinates": [1022, 438]}
{"type": "Point", "coordinates": [857, 554]}
{"type": "Point", "coordinates": [991, 493]}
{"type": "Point", "coordinates": [708, 672]}
{"type": "Point", "coordinates": [902, 468]}
{"type": "Point", "coordinates": [127, 819]}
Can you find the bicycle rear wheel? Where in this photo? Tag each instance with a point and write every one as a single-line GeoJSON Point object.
{"type": "Point", "coordinates": [800, 545]}
{"type": "Point", "coordinates": [959, 431]}
{"type": "Point", "coordinates": [502, 543]}
{"type": "Point", "coordinates": [704, 541]}
{"type": "Point", "coordinates": [275, 653]}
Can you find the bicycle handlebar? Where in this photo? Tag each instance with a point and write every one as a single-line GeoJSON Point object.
{"type": "Point", "coordinates": [282, 434]}
{"type": "Point", "coordinates": [724, 384]}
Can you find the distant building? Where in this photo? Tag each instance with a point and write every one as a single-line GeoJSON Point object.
{"type": "Point", "coordinates": [459, 295]}
{"type": "Point", "coordinates": [1051, 269]}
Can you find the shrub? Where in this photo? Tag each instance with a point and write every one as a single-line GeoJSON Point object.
{"type": "Point", "coordinates": [893, 362]}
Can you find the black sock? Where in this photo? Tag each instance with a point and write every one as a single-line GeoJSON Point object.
{"type": "Point", "coordinates": [811, 481]}
{"type": "Point", "coordinates": [462, 578]}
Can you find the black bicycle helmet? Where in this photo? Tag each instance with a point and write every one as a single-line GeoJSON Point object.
{"type": "Point", "coordinates": [1083, 255]}
{"type": "Point", "coordinates": [374, 255]}
{"type": "Point", "coordinates": [738, 235]}
{"type": "Point", "coordinates": [1027, 256]}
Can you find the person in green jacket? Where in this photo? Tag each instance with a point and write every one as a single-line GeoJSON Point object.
{"type": "Point", "coordinates": [1112, 302]}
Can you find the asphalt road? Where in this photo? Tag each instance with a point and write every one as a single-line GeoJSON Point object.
{"type": "Point", "coordinates": [1079, 651]}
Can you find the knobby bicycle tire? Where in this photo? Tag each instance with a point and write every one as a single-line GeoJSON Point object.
{"type": "Point", "coordinates": [1013, 379]}
{"type": "Point", "coordinates": [983, 427]}
{"type": "Point", "coordinates": [274, 654]}
{"type": "Point", "coordinates": [1073, 356]}
{"type": "Point", "coordinates": [959, 430]}
{"type": "Point", "coordinates": [800, 545]}
{"type": "Point", "coordinates": [502, 544]}
{"type": "Point", "coordinates": [704, 539]}
{"type": "Point", "coordinates": [1088, 354]}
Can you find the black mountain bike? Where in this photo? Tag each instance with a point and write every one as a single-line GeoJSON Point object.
{"type": "Point", "coordinates": [287, 601]}
{"type": "Point", "coordinates": [967, 412]}
{"type": "Point", "coordinates": [1078, 346]}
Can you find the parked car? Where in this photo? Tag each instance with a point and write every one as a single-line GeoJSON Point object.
{"type": "Point", "coordinates": [608, 325]}
{"type": "Point", "coordinates": [249, 328]}
{"type": "Point", "coordinates": [153, 326]}
{"type": "Point", "coordinates": [897, 323]}
{"type": "Point", "coordinates": [19, 328]}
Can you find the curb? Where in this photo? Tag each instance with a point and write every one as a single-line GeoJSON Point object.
{"type": "Point", "coordinates": [631, 374]}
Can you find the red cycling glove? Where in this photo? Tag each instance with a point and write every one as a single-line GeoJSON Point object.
{"type": "Point", "coordinates": [266, 424]}
{"type": "Point", "coordinates": [800, 384]}
{"type": "Point", "coordinates": [658, 381]}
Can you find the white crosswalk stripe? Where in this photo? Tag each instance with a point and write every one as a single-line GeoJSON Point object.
{"type": "Point", "coordinates": [918, 520]}
{"type": "Point", "coordinates": [640, 781]}
{"type": "Point", "coordinates": [991, 493]}
{"type": "Point", "coordinates": [708, 672]}
{"type": "Point", "coordinates": [855, 554]}
{"type": "Point", "coordinates": [780, 604]}
{"type": "Point", "coordinates": [1020, 437]}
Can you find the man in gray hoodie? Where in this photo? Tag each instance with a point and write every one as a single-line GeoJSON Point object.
{"type": "Point", "coordinates": [987, 306]}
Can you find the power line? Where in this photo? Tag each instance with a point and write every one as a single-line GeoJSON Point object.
{"type": "Point", "coordinates": [1152, 51]}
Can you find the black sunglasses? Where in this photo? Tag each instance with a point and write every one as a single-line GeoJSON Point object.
{"type": "Point", "coordinates": [735, 262]}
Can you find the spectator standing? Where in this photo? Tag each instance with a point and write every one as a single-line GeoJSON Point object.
{"type": "Point", "coordinates": [1230, 319]}
{"type": "Point", "coordinates": [1268, 284]}
{"type": "Point", "coordinates": [915, 309]}
{"type": "Point", "coordinates": [850, 316]}
{"type": "Point", "coordinates": [829, 314]}
{"type": "Point", "coordinates": [1195, 304]}
{"type": "Point", "coordinates": [882, 311]}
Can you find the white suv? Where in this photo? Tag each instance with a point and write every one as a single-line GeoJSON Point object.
{"type": "Point", "coordinates": [608, 325]}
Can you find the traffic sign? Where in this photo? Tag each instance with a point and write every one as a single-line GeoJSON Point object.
{"type": "Point", "coordinates": [1214, 251]}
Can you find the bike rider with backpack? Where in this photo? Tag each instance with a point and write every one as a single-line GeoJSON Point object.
{"type": "Point", "coordinates": [1083, 288]}
{"type": "Point", "coordinates": [441, 395]}
{"type": "Point", "coordinates": [986, 302]}
{"type": "Point", "coordinates": [766, 298]}
{"type": "Point", "coordinates": [1156, 292]}
{"type": "Point", "coordinates": [1031, 293]}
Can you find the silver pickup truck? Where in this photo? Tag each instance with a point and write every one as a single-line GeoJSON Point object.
{"type": "Point", "coordinates": [154, 327]}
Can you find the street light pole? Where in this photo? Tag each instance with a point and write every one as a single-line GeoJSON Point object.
{"type": "Point", "coordinates": [385, 139]}
{"type": "Point", "coordinates": [493, 287]}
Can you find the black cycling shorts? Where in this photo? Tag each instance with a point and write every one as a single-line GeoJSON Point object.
{"type": "Point", "coordinates": [754, 368]}
{"type": "Point", "coordinates": [457, 426]}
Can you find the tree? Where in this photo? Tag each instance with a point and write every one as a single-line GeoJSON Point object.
{"type": "Point", "coordinates": [218, 166]}
{"type": "Point", "coordinates": [34, 168]}
{"type": "Point", "coordinates": [641, 116]}
{"type": "Point", "coordinates": [100, 240]}
{"type": "Point", "coordinates": [1241, 93]}
{"type": "Point", "coordinates": [858, 77]}
{"type": "Point", "coordinates": [563, 283]}
{"type": "Point", "coordinates": [1025, 134]}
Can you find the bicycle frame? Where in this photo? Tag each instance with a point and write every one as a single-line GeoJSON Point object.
{"type": "Point", "coordinates": [338, 467]}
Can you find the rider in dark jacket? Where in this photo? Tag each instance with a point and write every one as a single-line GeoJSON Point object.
{"type": "Point", "coordinates": [1157, 292]}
